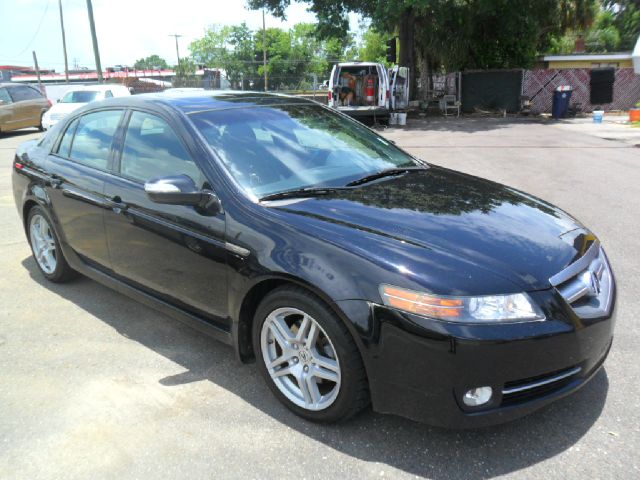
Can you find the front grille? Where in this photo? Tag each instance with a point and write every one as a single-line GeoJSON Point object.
{"type": "Point", "coordinates": [587, 284]}
{"type": "Point", "coordinates": [526, 389]}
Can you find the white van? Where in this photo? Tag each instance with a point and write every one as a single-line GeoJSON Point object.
{"type": "Point", "coordinates": [368, 89]}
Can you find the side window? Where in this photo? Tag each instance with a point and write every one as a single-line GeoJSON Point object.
{"type": "Point", "coordinates": [92, 141]}
{"type": "Point", "coordinates": [152, 149]}
{"type": "Point", "coordinates": [5, 98]}
{"type": "Point", "coordinates": [108, 94]}
{"type": "Point", "coordinates": [24, 93]}
{"type": "Point", "coordinates": [65, 143]}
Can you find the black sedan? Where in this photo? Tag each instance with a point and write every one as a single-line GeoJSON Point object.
{"type": "Point", "coordinates": [350, 271]}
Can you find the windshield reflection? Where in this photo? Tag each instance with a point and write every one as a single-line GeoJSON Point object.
{"type": "Point", "coordinates": [285, 147]}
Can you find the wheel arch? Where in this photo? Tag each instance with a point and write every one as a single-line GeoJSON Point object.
{"type": "Point", "coordinates": [260, 289]}
{"type": "Point", "coordinates": [26, 208]}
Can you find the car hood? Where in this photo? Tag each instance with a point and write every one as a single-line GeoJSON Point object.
{"type": "Point", "coordinates": [480, 224]}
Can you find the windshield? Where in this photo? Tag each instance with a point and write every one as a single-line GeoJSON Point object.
{"type": "Point", "coordinates": [279, 148]}
{"type": "Point", "coordinates": [81, 96]}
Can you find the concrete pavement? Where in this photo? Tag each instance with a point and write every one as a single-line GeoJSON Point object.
{"type": "Point", "coordinates": [96, 385]}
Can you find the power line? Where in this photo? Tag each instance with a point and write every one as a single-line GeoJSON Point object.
{"type": "Point", "coordinates": [46, 8]}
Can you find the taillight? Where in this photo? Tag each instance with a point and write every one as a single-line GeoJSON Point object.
{"type": "Point", "coordinates": [49, 102]}
{"type": "Point", "coordinates": [18, 166]}
{"type": "Point", "coordinates": [329, 95]}
{"type": "Point", "coordinates": [387, 94]}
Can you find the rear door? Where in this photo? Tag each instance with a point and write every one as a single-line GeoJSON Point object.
{"type": "Point", "coordinates": [383, 86]}
{"type": "Point", "coordinates": [172, 252]}
{"type": "Point", "coordinates": [333, 83]}
{"type": "Point", "coordinates": [399, 87]}
{"type": "Point", "coordinates": [27, 105]}
{"type": "Point", "coordinates": [79, 164]}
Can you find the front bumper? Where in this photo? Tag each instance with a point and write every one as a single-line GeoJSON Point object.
{"type": "Point", "coordinates": [420, 368]}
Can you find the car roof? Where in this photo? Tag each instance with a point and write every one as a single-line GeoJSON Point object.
{"type": "Point", "coordinates": [204, 100]}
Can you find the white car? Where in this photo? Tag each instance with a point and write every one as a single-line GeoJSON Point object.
{"type": "Point", "coordinates": [77, 97]}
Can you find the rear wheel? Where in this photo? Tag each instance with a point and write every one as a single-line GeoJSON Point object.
{"type": "Point", "coordinates": [41, 126]}
{"type": "Point", "coordinates": [46, 247]}
{"type": "Point", "coordinates": [308, 357]}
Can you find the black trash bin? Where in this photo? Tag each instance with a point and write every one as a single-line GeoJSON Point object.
{"type": "Point", "coordinates": [561, 98]}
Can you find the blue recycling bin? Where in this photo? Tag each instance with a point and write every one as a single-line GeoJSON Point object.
{"type": "Point", "coordinates": [561, 99]}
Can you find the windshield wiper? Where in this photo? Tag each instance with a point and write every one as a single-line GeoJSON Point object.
{"type": "Point", "coordinates": [300, 192]}
{"type": "Point", "coordinates": [390, 172]}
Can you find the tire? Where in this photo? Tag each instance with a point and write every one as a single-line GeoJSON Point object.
{"type": "Point", "coordinates": [321, 356]}
{"type": "Point", "coordinates": [45, 247]}
{"type": "Point", "coordinates": [40, 126]}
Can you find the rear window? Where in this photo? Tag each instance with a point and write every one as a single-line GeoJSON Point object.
{"type": "Point", "coordinates": [81, 96]}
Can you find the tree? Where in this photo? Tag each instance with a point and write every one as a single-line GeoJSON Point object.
{"type": "Point", "coordinates": [626, 20]}
{"type": "Point", "coordinates": [152, 62]}
{"type": "Point", "coordinates": [604, 36]}
{"type": "Point", "coordinates": [185, 73]}
{"type": "Point", "coordinates": [228, 47]}
{"type": "Point", "coordinates": [373, 47]}
{"type": "Point", "coordinates": [294, 56]}
{"type": "Point", "coordinates": [455, 34]}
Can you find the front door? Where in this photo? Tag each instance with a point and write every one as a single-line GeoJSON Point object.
{"type": "Point", "coordinates": [172, 252]}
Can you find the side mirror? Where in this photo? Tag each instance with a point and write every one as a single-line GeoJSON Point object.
{"type": "Point", "coordinates": [182, 190]}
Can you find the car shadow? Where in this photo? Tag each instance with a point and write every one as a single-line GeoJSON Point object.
{"type": "Point", "coordinates": [19, 133]}
{"type": "Point", "coordinates": [409, 446]}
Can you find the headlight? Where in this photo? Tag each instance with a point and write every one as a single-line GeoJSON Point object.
{"type": "Point", "coordinates": [515, 307]}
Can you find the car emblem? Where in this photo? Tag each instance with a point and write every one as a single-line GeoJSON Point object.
{"type": "Point", "coordinates": [591, 282]}
{"type": "Point", "coordinates": [304, 355]}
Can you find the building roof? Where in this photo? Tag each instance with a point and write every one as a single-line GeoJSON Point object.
{"type": "Point", "coordinates": [597, 57]}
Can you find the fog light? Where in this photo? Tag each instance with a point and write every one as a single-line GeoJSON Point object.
{"type": "Point", "coordinates": [477, 396]}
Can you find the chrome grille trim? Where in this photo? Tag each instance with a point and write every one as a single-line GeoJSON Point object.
{"type": "Point", "coordinates": [587, 284]}
{"type": "Point", "coordinates": [540, 383]}
{"type": "Point", "coordinates": [576, 267]}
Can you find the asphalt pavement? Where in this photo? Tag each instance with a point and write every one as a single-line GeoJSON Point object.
{"type": "Point", "coordinates": [95, 385]}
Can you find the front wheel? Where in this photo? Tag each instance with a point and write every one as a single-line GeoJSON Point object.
{"type": "Point", "coordinates": [308, 357]}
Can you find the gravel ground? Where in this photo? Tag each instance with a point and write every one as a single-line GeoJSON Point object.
{"type": "Point", "coordinates": [95, 385]}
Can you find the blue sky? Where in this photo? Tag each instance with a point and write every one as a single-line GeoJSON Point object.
{"type": "Point", "coordinates": [127, 29]}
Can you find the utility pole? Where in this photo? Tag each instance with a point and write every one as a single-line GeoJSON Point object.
{"type": "Point", "coordinates": [94, 38]}
{"type": "Point", "coordinates": [35, 61]}
{"type": "Point", "coordinates": [176, 36]}
{"type": "Point", "coordinates": [264, 51]}
{"type": "Point", "coordinates": [64, 44]}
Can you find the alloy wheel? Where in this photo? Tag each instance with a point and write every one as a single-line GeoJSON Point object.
{"type": "Point", "coordinates": [43, 244]}
{"type": "Point", "coordinates": [300, 358]}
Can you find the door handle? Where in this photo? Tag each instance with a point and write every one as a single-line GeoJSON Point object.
{"type": "Point", "coordinates": [55, 181]}
{"type": "Point", "coordinates": [118, 206]}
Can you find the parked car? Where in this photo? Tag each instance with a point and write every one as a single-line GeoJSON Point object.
{"type": "Point", "coordinates": [77, 97]}
{"type": "Point", "coordinates": [367, 90]}
{"type": "Point", "coordinates": [349, 270]}
{"type": "Point", "coordinates": [21, 106]}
